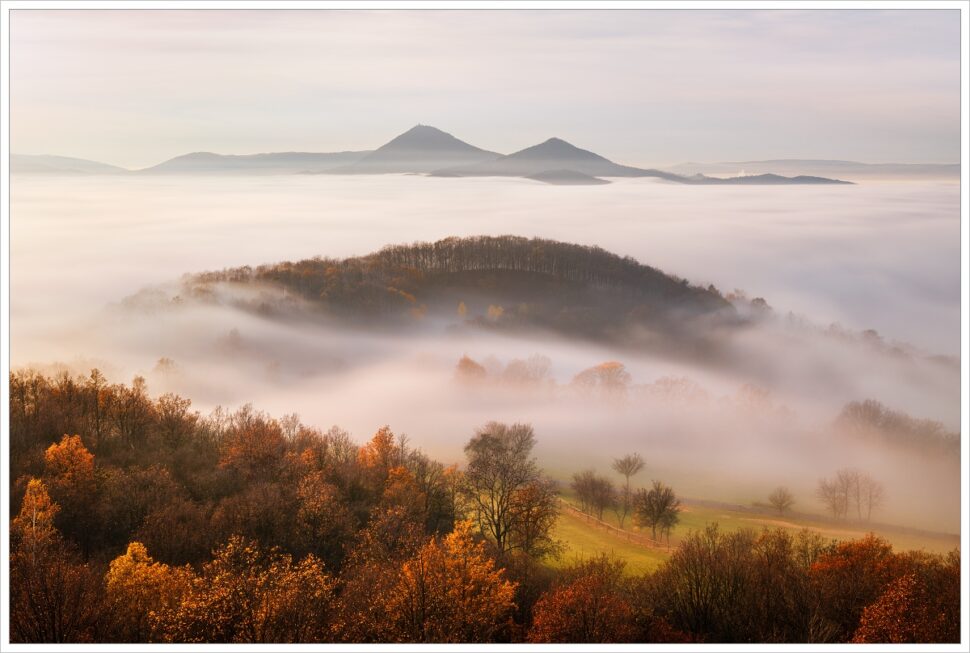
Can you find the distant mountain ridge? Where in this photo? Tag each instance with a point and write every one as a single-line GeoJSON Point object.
{"type": "Point", "coordinates": [430, 151]}
{"type": "Point", "coordinates": [268, 163]}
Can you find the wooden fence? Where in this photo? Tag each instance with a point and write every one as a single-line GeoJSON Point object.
{"type": "Point", "coordinates": [629, 536]}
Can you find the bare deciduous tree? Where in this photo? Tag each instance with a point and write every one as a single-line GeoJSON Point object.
{"type": "Point", "coordinates": [501, 474]}
{"type": "Point", "coordinates": [851, 489]}
{"type": "Point", "coordinates": [872, 494]}
{"type": "Point", "coordinates": [595, 493]}
{"type": "Point", "coordinates": [658, 508]}
{"type": "Point", "coordinates": [781, 499]}
{"type": "Point", "coordinates": [629, 465]}
{"type": "Point", "coordinates": [834, 499]}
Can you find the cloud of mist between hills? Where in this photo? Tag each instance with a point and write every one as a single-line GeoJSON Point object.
{"type": "Point", "coordinates": [78, 248]}
{"type": "Point", "coordinates": [734, 444]}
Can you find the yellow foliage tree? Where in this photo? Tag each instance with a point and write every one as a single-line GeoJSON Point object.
{"type": "Point", "coordinates": [450, 591]}
{"type": "Point", "coordinates": [250, 595]}
{"type": "Point", "coordinates": [54, 596]}
{"type": "Point", "coordinates": [324, 523]}
{"type": "Point", "coordinates": [138, 588]}
{"type": "Point", "coordinates": [34, 526]}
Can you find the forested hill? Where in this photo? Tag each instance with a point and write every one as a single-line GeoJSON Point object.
{"type": "Point", "coordinates": [500, 281]}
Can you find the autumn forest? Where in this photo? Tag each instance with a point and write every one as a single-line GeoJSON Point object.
{"type": "Point", "coordinates": [146, 522]}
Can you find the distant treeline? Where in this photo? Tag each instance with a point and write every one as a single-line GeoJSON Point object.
{"type": "Point", "coordinates": [871, 419]}
{"type": "Point", "coordinates": [138, 519]}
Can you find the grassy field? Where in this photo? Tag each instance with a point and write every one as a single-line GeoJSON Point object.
{"type": "Point", "coordinates": [697, 517]}
{"type": "Point", "coordinates": [582, 539]}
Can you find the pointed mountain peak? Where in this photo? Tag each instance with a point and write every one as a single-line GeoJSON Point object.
{"type": "Point", "coordinates": [422, 148]}
{"type": "Point", "coordinates": [557, 148]}
{"type": "Point", "coordinates": [424, 137]}
{"type": "Point", "coordinates": [425, 129]}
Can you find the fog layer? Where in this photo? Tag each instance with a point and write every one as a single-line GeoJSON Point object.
{"type": "Point", "coordinates": [882, 256]}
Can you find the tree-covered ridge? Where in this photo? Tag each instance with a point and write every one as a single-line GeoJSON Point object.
{"type": "Point", "coordinates": [502, 280]}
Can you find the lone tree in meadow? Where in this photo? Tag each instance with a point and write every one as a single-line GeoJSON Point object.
{"type": "Point", "coordinates": [629, 465]}
{"type": "Point", "coordinates": [781, 499]}
{"type": "Point", "coordinates": [658, 508]}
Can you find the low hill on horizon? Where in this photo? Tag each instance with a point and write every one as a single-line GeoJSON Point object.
{"type": "Point", "coordinates": [267, 163]}
{"type": "Point", "coordinates": [823, 168]}
{"type": "Point", "coordinates": [50, 164]}
{"type": "Point", "coordinates": [567, 178]}
{"type": "Point", "coordinates": [767, 179]}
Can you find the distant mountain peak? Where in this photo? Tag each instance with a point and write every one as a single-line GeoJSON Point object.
{"type": "Point", "coordinates": [557, 148]}
{"type": "Point", "coordinates": [422, 148]}
{"type": "Point", "coordinates": [426, 128]}
{"type": "Point", "coordinates": [426, 137]}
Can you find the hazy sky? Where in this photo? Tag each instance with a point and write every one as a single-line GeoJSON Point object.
{"type": "Point", "coordinates": [641, 87]}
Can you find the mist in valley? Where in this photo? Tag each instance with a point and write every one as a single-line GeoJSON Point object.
{"type": "Point", "coordinates": [881, 255]}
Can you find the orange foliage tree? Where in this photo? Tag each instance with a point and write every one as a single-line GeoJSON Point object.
{"type": "Point", "coordinates": [378, 456]}
{"type": "Point", "coordinates": [392, 536]}
{"type": "Point", "coordinates": [253, 447]}
{"type": "Point", "coordinates": [921, 606]}
{"type": "Point", "coordinates": [69, 473]}
{"type": "Point", "coordinates": [850, 577]}
{"type": "Point", "coordinates": [610, 378]}
{"type": "Point", "coordinates": [591, 606]}
{"type": "Point", "coordinates": [469, 370]}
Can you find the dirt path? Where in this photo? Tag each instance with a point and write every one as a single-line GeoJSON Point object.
{"type": "Point", "coordinates": [837, 533]}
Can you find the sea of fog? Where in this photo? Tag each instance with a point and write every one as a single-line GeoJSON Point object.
{"type": "Point", "coordinates": [878, 255]}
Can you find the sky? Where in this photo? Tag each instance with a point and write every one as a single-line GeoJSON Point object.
{"type": "Point", "coordinates": [642, 87]}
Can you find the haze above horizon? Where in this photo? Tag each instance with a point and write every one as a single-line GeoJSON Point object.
{"type": "Point", "coordinates": [650, 88]}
